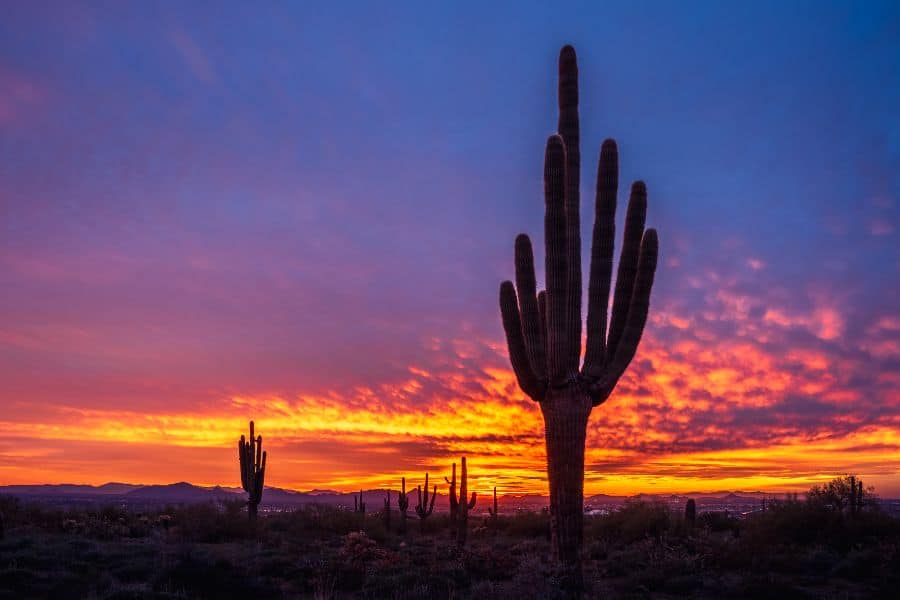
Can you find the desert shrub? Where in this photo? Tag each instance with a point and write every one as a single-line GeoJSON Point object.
{"type": "Point", "coordinates": [313, 521]}
{"type": "Point", "coordinates": [198, 574]}
{"type": "Point", "coordinates": [718, 521]}
{"type": "Point", "coordinates": [207, 523]}
{"type": "Point", "coordinates": [811, 523]}
{"type": "Point", "coordinates": [633, 521]}
{"type": "Point", "coordinates": [526, 524]}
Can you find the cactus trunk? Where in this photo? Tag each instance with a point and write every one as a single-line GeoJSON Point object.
{"type": "Point", "coordinates": [565, 429]}
{"type": "Point", "coordinates": [403, 505]}
{"type": "Point", "coordinates": [690, 512]}
{"type": "Point", "coordinates": [462, 516]}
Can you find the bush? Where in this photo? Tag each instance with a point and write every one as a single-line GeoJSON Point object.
{"type": "Point", "coordinates": [634, 521]}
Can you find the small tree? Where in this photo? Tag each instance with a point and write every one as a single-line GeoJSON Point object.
{"type": "Point", "coordinates": [844, 492]}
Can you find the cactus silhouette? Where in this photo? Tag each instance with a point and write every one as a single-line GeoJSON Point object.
{"type": "Point", "coordinates": [253, 470]}
{"type": "Point", "coordinates": [493, 511]}
{"type": "Point", "coordinates": [690, 512]}
{"type": "Point", "coordinates": [403, 505]}
{"type": "Point", "coordinates": [543, 331]}
{"type": "Point", "coordinates": [386, 515]}
{"type": "Point", "coordinates": [459, 507]}
{"type": "Point", "coordinates": [358, 505]}
{"type": "Point", "coordinates": [423, 509]}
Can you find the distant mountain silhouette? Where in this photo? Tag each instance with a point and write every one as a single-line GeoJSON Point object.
{"type": "Point", "coordinates": [187, 493]}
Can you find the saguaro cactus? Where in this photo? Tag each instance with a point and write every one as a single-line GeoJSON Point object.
{"type": "Point", "coordinates": [493, 511]}
{"type": "Point", "coordinates": [403, 504]}
{"type": "Point", "coordinates": [690, 512]}
{"type": "Point", "coordinates": [253, 470]}
{"type": "Point", "coordinates": [543, 331]}
{"type": "Point", "coordinates": [386, 515]}
{"type": "Point", "coordinates": [423, 509]}
{"type": "Point", "coordinates": [358, 505]}
{"type": "Point", "coordinates": [459, 507]}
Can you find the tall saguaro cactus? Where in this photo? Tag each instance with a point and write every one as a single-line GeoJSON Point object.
{"type": "Point", "coordinates": [253, 470]}
{"type": "Point", "coordinates": [459, 506]}
{"type": "Point", "coordinates": [543, 331]}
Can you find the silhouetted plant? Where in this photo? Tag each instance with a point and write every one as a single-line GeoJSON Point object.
{"type": "Point", "coordinates": [423, 509]}
{"type": "Point", "coordinates": [493, 511]}
{"type": "Point", "coordinates": [253, 470]}
{"type": "Point", "coordinates": [403, 504]}
{"type": "Point", "coordinates": [840, 493]}
{"type": "Point", "coordinates": [358, 505]}
{"type": "Point", "coordinates": [543, 331]}
{"type": "Point", "coordinates": [690, 512]}
{"type": "Point", "coordinates": [386, 515]}
{"type": "Point", "coordinates": [459, 506]}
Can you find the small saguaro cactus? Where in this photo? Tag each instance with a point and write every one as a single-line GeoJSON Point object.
{"type": "Point", "coordinates": [253, 470]}
{"type": "Point", "coordinates": [386, 515]}
{"type": "Point", "coordinates": [455, 500]}
{"type": "Point", "coordinates": [459, 506]}
{"type": "Point", "coordinates": [853, 499]}
{"type": "Point", "coordinates": [493, 511]}
{"type": "Point", "coordinates": [358, 505]}
{"type": "Point", "coordinates": [423, 509]}
{"type": "Point", "coordinates": [403, 504]}
{"type": "Point", "coordinates": [690, 512]}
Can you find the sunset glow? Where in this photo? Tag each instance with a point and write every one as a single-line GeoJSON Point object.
{"type": "Point", "coordinates": [193, 236]}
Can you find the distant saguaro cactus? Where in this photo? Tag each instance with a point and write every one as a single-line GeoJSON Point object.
{"type": "Point", "coordinates": [253, 470]}
{"type": "Point", "coordinates": [423, 509]}
{"type": "Point", "coordinates": [493, 511]}
{"type": "Point", "coordinates": [386, 515]}
{"type": "Point", "coordinates": [543, 331]}
{"type": "Point", "coordinates": [690, 512]}
{"type": "Point", "coordinates": [358, 505]}
{"type": "Point", "coordinates": [403, 505]}
{"type": "Point", "coordinates": [459, 506]}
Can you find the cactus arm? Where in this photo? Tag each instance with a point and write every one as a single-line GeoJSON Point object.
{"type": "Point", "coordinates": [637, 319]}
{"type": "Point", "coordinates": [542, 313]}
{"type": "Point", "coordinates": [628, 262]}
{"type": "Point", "coordinates": [515, 342]}
{"type": "Point", "coordinates": [471, 504]}
{"type": "Point", "coordinates": [555, 234]}
{"type": "Point", "coordinates": [528, 307]}
{"type": "Point", "coordinates": [242, 462]}
{"type": "Point", "coordinates": [602, 247]}
{"type": "Point", "coordinates": [433, 497]}
{"type": "Point", "coordinates": [568, 129]}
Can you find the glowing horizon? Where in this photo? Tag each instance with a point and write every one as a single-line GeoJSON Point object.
{"type": "Point", "coordinates": [293, 217]}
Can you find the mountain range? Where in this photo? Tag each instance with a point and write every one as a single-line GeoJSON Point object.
{"type": "Point", "coordinates": [186, 493]}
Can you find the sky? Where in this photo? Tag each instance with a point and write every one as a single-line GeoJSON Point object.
{"type": "Point", "coordinates": [300, 213]}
